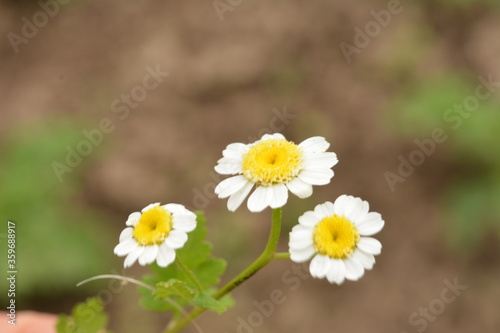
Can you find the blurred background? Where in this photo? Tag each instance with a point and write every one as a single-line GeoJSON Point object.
{"type": "Point", "coordinates": [107, 106]}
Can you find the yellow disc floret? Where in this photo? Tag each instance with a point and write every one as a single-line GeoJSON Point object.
{"type": "Point", "coordinates": [336, 237]}
{"type": "Point", "coordinates": [153, 226]}
{"type": "Point", "coordinates": [272, 161]}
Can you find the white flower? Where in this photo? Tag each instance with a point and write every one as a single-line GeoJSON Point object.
{"type": "Point", "coordinates": [335, 236]}
{"type": "Point", "coordinates": [154, 234]}
{"type": "Point", "coordinates": [274, 165]}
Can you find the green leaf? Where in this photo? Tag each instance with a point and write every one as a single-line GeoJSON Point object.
{"type": "Point", "coordinates": [228, 301]}
{"type": "Point", "coordinates": [174, 287]}
{"type": "Point", "coordinates": [196, 254]}
{"type": "Point", "coordinates": [86, 317]}
{"type": "Point", "coordinates": [180, 290]}
{"type": "Point", "coordinates": [209, 272]}
{"type": "Point", "coordinates": [204, 300]}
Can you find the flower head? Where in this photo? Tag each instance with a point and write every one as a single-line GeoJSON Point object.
{"type": "Point", "coordinates": [335, 236]}
{"type": "Point", "coordinates": [154, 234]}
{"type": "Point", "coordinates": [274, 165]}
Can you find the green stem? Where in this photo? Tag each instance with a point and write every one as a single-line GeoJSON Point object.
{"type": "Point", "coordinates": [265, 258]}
{"type": "Point", "coordinates": [189, 273]}
{"type": "Point", "coordinates": [281, 255]}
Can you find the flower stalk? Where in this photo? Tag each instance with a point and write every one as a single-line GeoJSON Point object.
{"type": "Point", "coordinates": [268, 255]}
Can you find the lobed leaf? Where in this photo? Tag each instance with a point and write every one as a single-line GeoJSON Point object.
{"type": "Point", "coordinates": [196, 254]}
{"type": "Point", "coordinates": [86, 317]}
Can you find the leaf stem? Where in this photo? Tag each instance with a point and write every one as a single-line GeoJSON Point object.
{"type": "Point", "coordinates": [189, 273]}
{"type": "Point", "coordinates": [265, 258]}
{"type": "Point", "coordinates": [124, 279]}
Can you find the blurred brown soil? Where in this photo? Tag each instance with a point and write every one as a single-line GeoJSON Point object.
{"type": "Point", "coordinates": [226, 78]}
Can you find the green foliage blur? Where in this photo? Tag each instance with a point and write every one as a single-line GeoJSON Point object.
{"type": "Point", "coordinates": [58, 241]}
{"type": "Point", "coordinates": [472, 148]}
{"type": "Point", "coordinates": [86, 317]}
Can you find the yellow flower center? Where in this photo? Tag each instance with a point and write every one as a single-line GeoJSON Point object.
{"type": "Point", "coordinates": [272, 161]}
{"type": "Point", "coordinates": [153, 227]}
{"type": "Point", "coordinates": [336, 237]}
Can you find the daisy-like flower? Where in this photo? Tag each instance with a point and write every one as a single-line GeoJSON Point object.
{"type": "Point", "coordinates": [154, 234]}
{"type": "Point", "coordinates": [335, 236]}
{"type": "Point", "coordinates": [274, 165]}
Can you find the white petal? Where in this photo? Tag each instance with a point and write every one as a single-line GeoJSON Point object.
{"type": "Point", "coordinates": [324, 210]}
{"type": "Point", "coordinates": [235, 150]}
{"type": "Point", "coordinates": [337, 271]}
{"type": "Point", "coordinates": [340, 205]}
{"type": "Point", "coordinates": [230, 186]}
{"type": "Point", "coordinates": [133, 219]}
{"type": "Point", "coordinates": [320, 160]}
{"type": "Point", "coordinates": [236, 199]}
{"type": "Point", "coordinates": [182, 218]}
{"type": "Point", "coordinates": [260, 199]}
{"type": "Point", "coordinates": [301, 255]}
{"type": "Point", "coordinates": [367, 260]}
{"type": "Point", "coordinates": [174, 208]}
{"type": "Point", "coordinates": [301, 237]}
{"type": "Point", "coordinates": [126, 234]}
{"type": "Point", "coordinates": [300, 188]}
{"type": "Point", "coordinates": [229, 165]}
{"type": "Point", "coordinates": [319, 266]}
{"type": "Point", "coordinates": [132, 256]}
{"type": "Point", "coordinates": [232, 168]}
{"type": "Point", "coordinates": [314, 144]}
{"type": "Point", "coordinates": [280, 196]}
{"type": "Point", "coordinates": [300, 231]}
{"type": "Point", "coordinates": [230, 160]}
{"type": "Point", "coordinates": [353, 269]}
{"type": "Point", "coordinates": [272, 136]}
{"type": "Point", "coordinates": [148, 207]}
{"type": "Point", "coordinates": [370, 224]}
{"type": "Point", "coordinates": [184, 222]}
{"type": "Point", "coordinates": [165, 256]}
{"type": "Point", "coordinates": [355, 209]}
{"type": "Point", "coordinates": [176, 239]}
{"type": "Point", "coordinates": [300, 244]}
{"type": "Point", "coordinates": [316, 176]}
{"type": "Point", "coordinates": [148, 255]}
{"type": "Point", "coordinates": [309, 219]}
{"type": "Point", "coordinates": [369, 245]}
{"type": "Point", "coordinates": [125, 247]}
